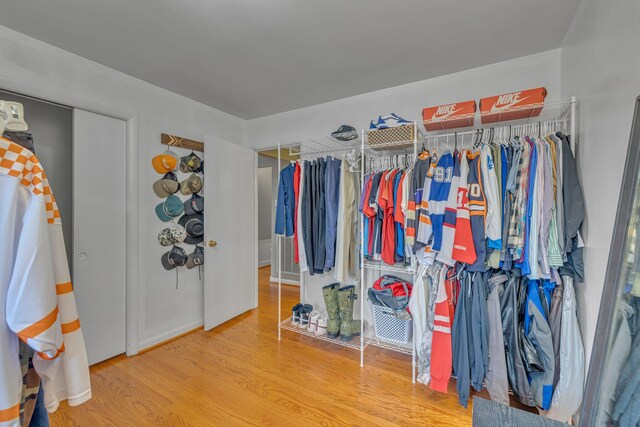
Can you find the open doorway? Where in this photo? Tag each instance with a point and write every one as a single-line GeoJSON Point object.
{"type": "Point", "coordinates": [268, 178]}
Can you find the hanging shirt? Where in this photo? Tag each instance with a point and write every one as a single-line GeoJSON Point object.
{"type": "Point", "coordinates": [364, 207]}
{"type": "Point", "coordinates": [285, 206]}
{"type": "Point", "coordinates": [332, 196]}
{"type": "Point", "coordinates": [301, 251]}
{"type": "Point", "coordinates": [463, 248]}
{"type": "Point", "coordinates": [425, 228]}
{"type": "Point", "coordinates": [416, 188]}
{"type": "Point", "coordinates": [441, 356]}
{"type": "Point", "coordinates": [296, 198]}
{"type": "Point", "coordinates": [36, 296]}
{"type": "Point", "coordinates": [438, 195]}
{"type": "Point", "coordinates": [477, 212]}
{"type": "Point", "coordinates": [398, 216]}
{"type": "Point", "coordinates": [449, 227]}
{"type": "Point", "coordinates": [388, 251]}
{"type": "Point", "coordinates": [346, 235]}
{"type": "Point", "coordinates": [492, 194]}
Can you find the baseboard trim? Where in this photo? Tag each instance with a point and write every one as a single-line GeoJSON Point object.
{"type": "Point", "coordinates": [264, 263]}
{"type": "Point", "coordinates": [285, 281]}
{"type": "Point", "coordinates": [176, 333]}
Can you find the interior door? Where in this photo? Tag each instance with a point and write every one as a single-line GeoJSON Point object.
{"type": "Point", "coordinates": [99, 248]}
{"type": "Point", "coordinates": [230, 262]}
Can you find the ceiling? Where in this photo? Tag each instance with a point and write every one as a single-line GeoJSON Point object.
{"type": "Point", "coordinates": [252, 58]}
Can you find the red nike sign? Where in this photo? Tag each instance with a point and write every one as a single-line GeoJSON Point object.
{"type": "Point", "coordinates": [449, 116]}
{"type": "Point", "coordinates": [512, 106]}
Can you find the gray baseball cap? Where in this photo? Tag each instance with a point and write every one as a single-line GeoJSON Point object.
{"type": "Point", "coordinates": [194, 205]}
{"type": "Point", "coordinates": [196, 258]}
{"type": "Point", "coordinates": [176, 257]}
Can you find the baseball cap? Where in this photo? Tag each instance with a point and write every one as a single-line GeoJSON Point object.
{"type": "Point", "coordinates": [172, 235]}
{"type": "Point", "coordinates": [15, 116]}
{"type": "Point", "coordinates": [166, 185]}
{"type": "Point", "coordinates": [163, 163]}
{"type": "Point", "coordinates": [194, 205]}
{"type": "Point", "coordinates": [191, 185]}
{"type": "Point", "coordinates": [190, 163]}
{"type": "Point", "coordinates": [194, 225]}
{"type": "Point", "coordinates": [345, 133]}
{"type": "Point", "coordinates": [176, 257]}
{"type": "Point", "coordinates": [170, 208]}
{"type": "Point", "coordinates": [170, 152]}
{"type": "Point", "coordinates": [195, 258]}
{"type": "Point", "coordinates": [200, 168]}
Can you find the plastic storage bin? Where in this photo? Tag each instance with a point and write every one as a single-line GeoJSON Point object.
{"type": "Point", "coordinates": [389, 327]}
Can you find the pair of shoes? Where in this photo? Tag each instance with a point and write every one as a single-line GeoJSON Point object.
{"type": "Point", "coordinates": [392, 120]}
{"type": "Point", "coordinates": [317, 323]}
{"type": "Point", "coordinates": [339, 303]}
{"type": "Point", "coordinates": [300, 315]}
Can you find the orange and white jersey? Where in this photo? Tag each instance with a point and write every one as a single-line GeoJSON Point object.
{"type": "Point", "coordinates": [36, 296]}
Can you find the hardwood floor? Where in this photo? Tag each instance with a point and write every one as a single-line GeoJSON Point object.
{"type": "Point", "coordinates": [239, 374]}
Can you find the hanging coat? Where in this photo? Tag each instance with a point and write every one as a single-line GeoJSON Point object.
{"type": "Point", "coordinates": [567, 396]}
{"type": "Point", "coordinates": [497, 382]}
{"type": "Point", "coordinates": [418, 307]}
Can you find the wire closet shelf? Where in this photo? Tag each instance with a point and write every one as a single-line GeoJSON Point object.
{"type": "Point", "coordinates": [398, 151]}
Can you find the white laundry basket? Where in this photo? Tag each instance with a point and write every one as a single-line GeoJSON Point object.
{"type": "Point", "coordinates": [389, 327]}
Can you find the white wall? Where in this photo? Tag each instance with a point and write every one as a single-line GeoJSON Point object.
{"type": "Point", "coordinates": [601, 66]}
{"type": "Point", "coordinates": [29, 65]}
{"type": "Point", "coordinates": [532, 71]}
{"type": "Point", "coordinates": [542, 69]}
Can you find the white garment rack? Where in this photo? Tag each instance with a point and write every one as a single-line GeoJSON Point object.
{"type": "Point", "coordinates": [554, 114]}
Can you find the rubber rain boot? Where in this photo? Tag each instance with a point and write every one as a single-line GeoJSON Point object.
{"type": "Point", "coordinates": [349, 327]}
{"type": "Point", "coordinates": [330, 294]}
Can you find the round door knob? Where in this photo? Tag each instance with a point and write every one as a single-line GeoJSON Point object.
{"type": "Point", "coordinates": [213, 243]}
{"type": "Point", "coordinates": [82, 256]}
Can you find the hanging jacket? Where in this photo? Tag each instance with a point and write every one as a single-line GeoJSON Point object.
{"type": "Point", "coordinates": [441, 346]}
{"type": "Point", "coordinates": [436, 273]}
{"type": "Point", "coordinates": [509, 308]}
{"type": "Point", "coordinates": [538, 332]}
{"type": "Point", "coordinates": [567, 396]}
{"type": "Point", "coordinates": [445, 255]}
{"type": "Point", "coordinates": [555, 323]}
{"type": "Point", "coordinates": [285, 207]}
{"type": "Point", "coordinates": [36, 295]}
{"type": "Point", "coordinates": [463, 248]}
{"type": "Point", "coordinates": [460, 339]}
{"type": "Point", "coordinates": [418, 304]}
{"type": "Point", "coordinates": [496, 380]}
{"type": "Point", "coordinates": [479, 330]}
{"type": "Point", "coordinates": [574, 209]}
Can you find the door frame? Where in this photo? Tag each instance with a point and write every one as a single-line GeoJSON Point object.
{"type": "Point", "coordinates": [132, 249]}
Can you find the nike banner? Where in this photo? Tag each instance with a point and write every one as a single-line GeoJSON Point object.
{"type": "Point", "coordinates": [458, 115]}
{"type": "Point", "coordinates": [512, 106]}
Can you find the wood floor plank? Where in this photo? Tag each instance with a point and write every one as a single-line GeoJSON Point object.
{"type": "Point", "coordinates": [240, 374]}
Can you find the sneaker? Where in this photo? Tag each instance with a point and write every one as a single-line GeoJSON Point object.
{"type": "Point", "coordinates": [295, 314]}
{"type": "Point", "coordinates": [392, 120]}
{"type": "Point", "coordinates": [345, 133]}
{"type": "Point", "coordinates": [313, 321]}
{"type": "Point", "coordinates": [321, 328]}
{"type": "Point", "coordinates": [304, 316]}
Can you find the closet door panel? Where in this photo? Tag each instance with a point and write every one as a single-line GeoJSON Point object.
{"type": "Point", "coordinates": [99, 246]}
{"type": "Point", "coordinates": [230, 266]}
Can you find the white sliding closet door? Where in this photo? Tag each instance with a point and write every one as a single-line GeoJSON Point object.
{"type": "Point", "coordinates": [99, 246]}
{"type": "Point", "coordinates": [230, 266]}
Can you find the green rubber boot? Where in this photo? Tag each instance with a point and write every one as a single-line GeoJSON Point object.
{"type": "Point", "coordinates": [330, 294]}
{"type": "Point", "coordinates": [349, 327]}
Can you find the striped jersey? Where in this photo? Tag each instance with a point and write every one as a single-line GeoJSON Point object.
{"type": "Point", "coordinates": [36, 296]}
{"type": "Point", "coordinates": [477, 211]}
{"type": "Point", "coordinates": [463, 248]}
